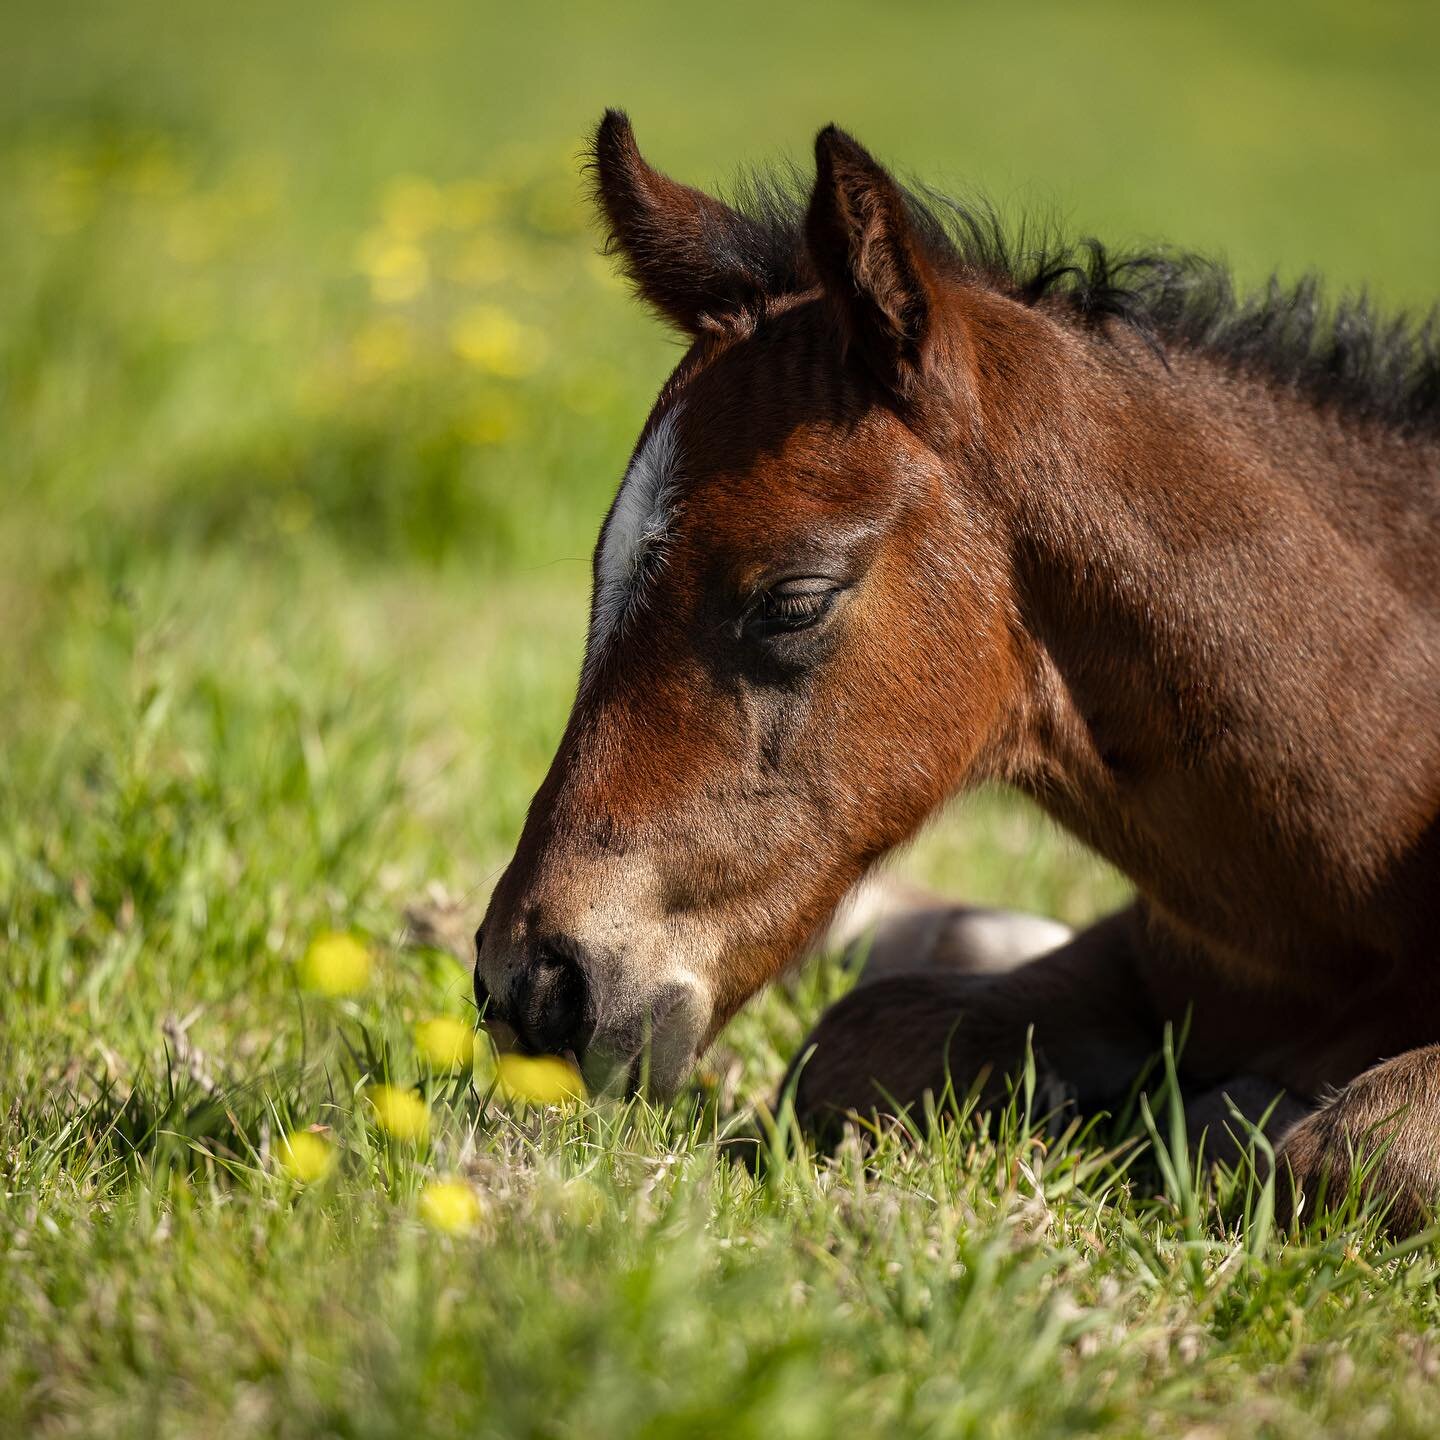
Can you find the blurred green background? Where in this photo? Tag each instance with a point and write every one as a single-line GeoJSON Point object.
{"type": "Point", "coordinates": [314, 390]}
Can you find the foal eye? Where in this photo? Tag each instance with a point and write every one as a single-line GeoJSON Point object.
{"type": "Point", "coordinates": [790, 606]}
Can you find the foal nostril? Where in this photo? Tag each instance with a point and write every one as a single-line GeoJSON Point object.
{"type": "Point", "coordinates": [550, 1003]}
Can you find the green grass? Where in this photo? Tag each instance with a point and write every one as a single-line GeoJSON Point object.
{"type": "Point", "coordinates": [313, 393]}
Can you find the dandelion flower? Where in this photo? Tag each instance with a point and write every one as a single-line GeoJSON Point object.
{"type": "Point", "coordinates": [445, 1043]}
{"type": "Point", "coordinates": [493, 340]}
{"type": "Point", "coordinates": [336, 964]}
{"type": "Point", "coordinates": [398, 270]}
{"type": "Point", "coordinates": [306, 1157]}
{"type": "Point", "coordinates": [401, 1114]}
{"type": "Point", "coordinates": [539, 1079]}
{"type": "Point", "coordinates": [451, 1206]}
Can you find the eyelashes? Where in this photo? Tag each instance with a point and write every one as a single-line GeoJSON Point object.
{"type": "Point", "coordinates": [791, 606]}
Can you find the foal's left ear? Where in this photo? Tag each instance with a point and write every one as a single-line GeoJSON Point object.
{"type": "Point", "coordinates": [870, 260]}
{"type": "Point", "coordinates": [691, 256]}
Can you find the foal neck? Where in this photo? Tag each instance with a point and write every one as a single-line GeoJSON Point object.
{"type": "Point", "coordinates": [1232, 659]}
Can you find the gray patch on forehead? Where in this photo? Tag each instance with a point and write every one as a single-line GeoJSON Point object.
{"type": "Point", "coordinates": [639, 524]}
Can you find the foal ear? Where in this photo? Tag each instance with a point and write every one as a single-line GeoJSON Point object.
{"type": "Point", "coordinates": [684, 251]}
{"type": "Point", "coordinates": [869, 258]}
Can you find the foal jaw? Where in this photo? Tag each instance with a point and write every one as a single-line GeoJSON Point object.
{"type": "Point", "coordinates": [673, 1029]}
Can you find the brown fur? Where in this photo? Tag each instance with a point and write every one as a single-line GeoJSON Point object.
{"type": "Point", "coordinates": [1386, 1120]}
{"type": "Point", "coordinates": [1187, 608]}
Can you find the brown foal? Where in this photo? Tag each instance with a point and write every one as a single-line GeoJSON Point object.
{"type": "Point", "coordinates": [917, 511]}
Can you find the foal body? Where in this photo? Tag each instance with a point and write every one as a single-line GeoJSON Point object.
{"type": "Point", "coordinates": [1288, 867]}
{"type": "Point", "coordinates": [912, 515]}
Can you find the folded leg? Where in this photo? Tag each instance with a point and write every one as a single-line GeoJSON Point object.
{"type": "Point", "coordinates": [1387, 1122]}
{"type": "Point", "coordinates": [887, 1044]}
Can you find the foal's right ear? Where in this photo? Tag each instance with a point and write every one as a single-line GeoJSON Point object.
{"type": "Point", "coordinates": [870, 260]}
{"type": "Point", "coordinates": [684, 251]}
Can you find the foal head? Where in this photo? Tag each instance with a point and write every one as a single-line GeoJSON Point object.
{"type": "Point", "coordinates": [799, 639]}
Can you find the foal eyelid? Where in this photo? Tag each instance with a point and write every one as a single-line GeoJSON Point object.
{"type": "Point", "coordinates": [797, 585]}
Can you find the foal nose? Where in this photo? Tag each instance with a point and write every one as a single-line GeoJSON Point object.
{"type": "Point", "coordinates": [551, 1007]}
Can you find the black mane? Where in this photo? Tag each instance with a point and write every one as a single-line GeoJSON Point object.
{"type": "Point", "coordinates": [1342, 355]}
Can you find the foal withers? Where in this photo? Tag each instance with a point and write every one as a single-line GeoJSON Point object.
{"type": "Point", "coordinates": [915, 512]}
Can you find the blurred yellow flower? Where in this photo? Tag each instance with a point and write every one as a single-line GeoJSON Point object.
{"type": "Point", "coordinates": [335, 964]}
{"type": "Point", "coordinates": [401, 1114]}
{"type": "Point", "coordinates": [412, 206]}
{"type": "Point", "coordinates": [493, 340]}
{"type": "Point", "coordinates": [539, 1079]}
{"type": "Point", "coordinates": [445, 1043]}
{"type": "Point", "coordinates": [451, 1206]}
{"type": "Point", "coordinates": [398, 270]}
{"type": "Point", "coordinates": [306, 1157]}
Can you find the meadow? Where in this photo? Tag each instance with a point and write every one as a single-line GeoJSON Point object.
{"type": "Point", "coordinates": [313, 392]}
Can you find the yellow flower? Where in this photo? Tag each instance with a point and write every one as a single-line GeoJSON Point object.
{"type": "Point", "coordinates": [401, 1114]}
{"type": "Point", "coordinates": [539, 1079]}
{"type": "Point", "coordinates": [451, 1206]}
{"type": "Point", "coordinates": [445, 1044]}
{"type": "Point", "coordinates": [398, 270]}
{"type": "Point", "coordinates": [493, 340]}
{"type": "Point", "coordinates": [307, 1158]}
{"type": "Point", "coordinates": [336, 964]}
